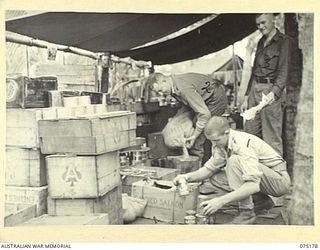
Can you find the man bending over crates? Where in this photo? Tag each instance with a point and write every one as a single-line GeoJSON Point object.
{"type": "Point", "coordinates": [252, 168]}
{"type": "Point", "coordinates": [201, 97]}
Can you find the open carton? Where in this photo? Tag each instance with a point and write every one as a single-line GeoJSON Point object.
{"type": "Point", "coordinates": [164, 201]}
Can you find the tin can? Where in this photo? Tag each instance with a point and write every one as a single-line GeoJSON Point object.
{"type": "Point", "coordinates": [202, 219]}
{"type": "Point", "coordinates": [183, 187]}
{"type": "Point", "coordinates": [137, 157]}
{"type": "Point", "coordinates": [190, 220]}
{"type": "Point", "coordinates": [123, 160]}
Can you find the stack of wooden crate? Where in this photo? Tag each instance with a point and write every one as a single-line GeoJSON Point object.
{"type": "Point", "coordinates": [25, 174]}
{"type": "Point", "coordinates": [83, 165]}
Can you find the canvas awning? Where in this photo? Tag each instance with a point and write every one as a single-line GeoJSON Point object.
{"type": "Point", "coordinates": [213, 36]}
{"type": "Point", "coordinates": [119, 33]}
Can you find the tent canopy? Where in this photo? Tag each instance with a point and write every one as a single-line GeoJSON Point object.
{"type": "Point", "coordinates": [119, 33]}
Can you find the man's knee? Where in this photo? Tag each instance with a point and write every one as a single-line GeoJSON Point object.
{"type": "Point", "coordinates": [234, 172]}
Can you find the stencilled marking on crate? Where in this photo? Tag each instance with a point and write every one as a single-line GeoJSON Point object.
{"type": "Point", "coordinates": [71, 175]}
{"type": "Point", "coordinates": [164, 203]}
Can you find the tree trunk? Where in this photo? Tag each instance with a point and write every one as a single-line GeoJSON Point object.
{"type": "Point", "coordinates": [293, 90]}
{"type": "Point", "coordinates": [302, 203]}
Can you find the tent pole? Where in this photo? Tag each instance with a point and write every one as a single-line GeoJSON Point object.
{"type": "Point", "coordinates": [105, 63]}
{"type": "Point", "coordinates": [235, 78]}
{"type": "Point", "coordinates": [43, 44]}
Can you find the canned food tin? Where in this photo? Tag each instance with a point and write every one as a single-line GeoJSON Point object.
{"type": "Point", "coordinates": [190, 220]}
{"type": "Point", "coordinates": [202, 219]}
{"type": "Point", "coordinates": [123, 160]}
{"type": "Point", "coordinates": [183, 187]}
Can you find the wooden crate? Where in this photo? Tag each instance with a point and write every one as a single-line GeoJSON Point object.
{"type": "Point", "coordinates": [79, 76]}
{"type": "Point", "coordinates": [22, 196]}
{"type": "Point", "coordinates": [15, 215]}
{"type": "Point", "coordinates": [28, 92]}
{"type": "Point", "coordinates": [22, 124]}
{"type": "Point", "coordinates": [88, 135]}
{"type": "Point", "coordinates": [134, 174]}
{"type": "Point", "coordinates": [165, 204]}
{"type": "Point", "coordinates": [25, 167]}
{"type": "Point", "coordinates": [110, 203]}
{"type": "Point", "coordinates": [55, 220]}
{"type": "Point", "coordinates": [95, 97]}
{"type": "Point", "coordinates": [184, 164]}
{"type": "Point", "coordinates": [72, 176]}
{"type": "Point", "coordinates": [75, 101]}
{"type": "Point", "coordinates": [22, 128]}
{"type": "Point", "coordinates": [78, 87]}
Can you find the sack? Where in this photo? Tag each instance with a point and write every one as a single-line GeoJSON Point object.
{"type": "Point", "coordinates": [132, 207]}
{"type": "Point", "coordinates": [177, 129]}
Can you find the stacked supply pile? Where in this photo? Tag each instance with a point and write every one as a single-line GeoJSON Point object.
{"type": "Point", "coordinates": [26, 184]}
{"type": "Point", "coordinates": [83, 166]}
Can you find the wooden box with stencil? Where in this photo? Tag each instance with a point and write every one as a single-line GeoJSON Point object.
{"type": "Point", "coordinates": [164, 201]}
{"type": "Point", "coordinates": [88, 134]}
{"type": "Point", "coordinates": [71, 176]}
{"type": "Point", "coordinates": [21, 197]}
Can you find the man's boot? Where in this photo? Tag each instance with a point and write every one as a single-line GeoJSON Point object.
{"type": "Point", "coordinates": [262, 202]}
{"type": "Point", "coordinates": [245, 217]}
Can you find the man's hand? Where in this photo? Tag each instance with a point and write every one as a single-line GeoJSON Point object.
{"type": "Point", "coordinates": [211, 206]}
{"type": "Point", "coordinates": [190, 141]}
{"type": "Point", "coordinates": [178, 177]}
{"type": "Point", "coordinates": [244, 105]}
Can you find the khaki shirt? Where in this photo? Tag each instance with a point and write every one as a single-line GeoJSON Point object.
{"type": "Point", "coordinates": [251, 151]}
{"type": "Point", "coordinates": [272, 61]}
{"type": "Point", "coordinates": [195, 91]}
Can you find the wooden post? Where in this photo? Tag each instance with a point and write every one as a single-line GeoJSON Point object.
{"type": "Point", "coordinates": [235, 78]}
{"type": "Point", "coordinates": [292, 91]}
{"type": "Point", "coordinates": [302, 203]}
{"type": "Point", "coordinates": [105, 63]}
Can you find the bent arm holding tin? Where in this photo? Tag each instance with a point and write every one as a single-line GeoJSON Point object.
{"type": "Point", "coordinates": [198, 175]}
{"type": "Point", "coordinates": [211, 167]}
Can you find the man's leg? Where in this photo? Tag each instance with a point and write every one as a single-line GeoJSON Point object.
{"type": "Point", "coordinates": [276, 181]}
{"type": "Point", "coordinates": [234, 174]}
{"type": "Point", "coordinates": [271, 123]}
{"type": "Point", "coordinates": [253, 126]}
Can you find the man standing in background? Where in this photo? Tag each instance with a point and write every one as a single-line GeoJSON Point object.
{"type": "Point", "coordinates": [269, 76]}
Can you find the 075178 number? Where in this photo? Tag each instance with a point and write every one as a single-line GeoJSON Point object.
{"type": "Point", "coordinates": [308, 246]}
